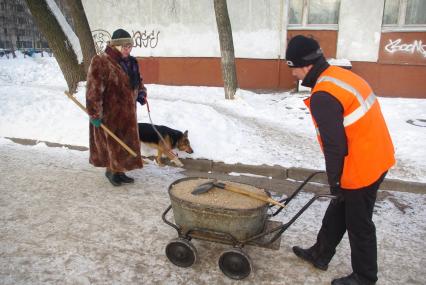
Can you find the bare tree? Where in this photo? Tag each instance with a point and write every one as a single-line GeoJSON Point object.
{"type": "Point", "coordinates": [229, 73]}
{"type": "Point", "coordinates": [58, 41]}
{"type": "Point", "coordinates": [82, 29]}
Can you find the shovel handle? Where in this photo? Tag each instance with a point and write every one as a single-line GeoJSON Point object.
{"type": "Point", "coordinates": [117, 139]}
{"type": "Point", "coordinates": [253, 195]}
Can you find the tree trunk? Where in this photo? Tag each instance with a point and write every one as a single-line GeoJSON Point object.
{"type": "Point", "coordinates": [49, 26]}
{"type": "Point", "coordinates": [229, 72]}
{"type": "Point", "coordinates": [82, 29]}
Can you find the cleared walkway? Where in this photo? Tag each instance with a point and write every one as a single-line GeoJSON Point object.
{"type": "Point", "coordinates": [63, 223]}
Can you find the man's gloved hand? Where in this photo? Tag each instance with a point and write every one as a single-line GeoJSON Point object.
{"type": "Point", "coordinates": [337, 191]}
{"type": "Point", "coordinates": [142, 97]}
{"type": "Point", "coordinates": [96, 122]}
{"type": "Point", "coordinates": [334, 190]}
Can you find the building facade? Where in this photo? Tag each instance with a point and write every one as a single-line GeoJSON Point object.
{"type": "Point", "coordinates": [177, 42]}
{"type": "Point", "coordinates": [17, 28]}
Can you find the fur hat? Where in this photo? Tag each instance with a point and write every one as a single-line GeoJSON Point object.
{"type": "Point", "coordinates": [302, 51]}
{"type": "Point", "coordinates": [120, 38]}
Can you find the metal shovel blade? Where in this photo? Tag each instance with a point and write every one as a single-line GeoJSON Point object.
{"type": "Point", "coordinates": [203, 188]}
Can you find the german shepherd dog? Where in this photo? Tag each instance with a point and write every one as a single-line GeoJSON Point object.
{"type": "Point", "coordinates": [172, 139]}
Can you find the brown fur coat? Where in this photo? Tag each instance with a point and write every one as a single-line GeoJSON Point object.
{"type": "Point", "coordinates": [110, 98]}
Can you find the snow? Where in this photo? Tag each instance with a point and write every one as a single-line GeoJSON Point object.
{"type": "Point", "coordinates": [68, 31]}
{"type": "Point", "coordinates": [255, 129]}
{"type": "Point", "coordinates": [339, 62]}
{"type": "Point", "coordinates": [63, 223]}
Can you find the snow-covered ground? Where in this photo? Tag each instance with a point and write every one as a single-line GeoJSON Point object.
{"type": "Point", "coordinates": [62, 222]}
{"type": "Point", "coordinates": [271, 129]}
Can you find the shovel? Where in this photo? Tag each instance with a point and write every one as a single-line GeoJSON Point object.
{"type": "Point", "coordinates": [123, 144]}
{"type": "Point", "coordinates": [205, 187]}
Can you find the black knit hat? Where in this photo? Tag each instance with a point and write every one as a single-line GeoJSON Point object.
{"type": "Point", "coordinates": [120, 37]}
{"type": "Point", "coordinates": [302, 51]}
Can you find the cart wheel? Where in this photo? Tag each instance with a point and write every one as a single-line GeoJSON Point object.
{"type": "Point", "coordinates": [235, 264]}
{"type": "Point", "coordinates": [181, 252]}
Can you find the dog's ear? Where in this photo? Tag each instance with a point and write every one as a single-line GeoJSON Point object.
{"type": "Point", "coordinates": [185, 133]}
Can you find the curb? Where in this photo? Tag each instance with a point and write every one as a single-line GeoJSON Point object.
{"type": "Point", "coordinates": [292, 173]}
{"type": "Point", "coordinates": [275, 172]}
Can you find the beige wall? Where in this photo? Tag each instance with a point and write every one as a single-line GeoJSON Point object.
{"type": "Point", "coordinates": [177, 43]}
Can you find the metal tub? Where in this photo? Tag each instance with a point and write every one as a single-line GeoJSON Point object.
{"type": "Point", "coordinates": [240, 223]}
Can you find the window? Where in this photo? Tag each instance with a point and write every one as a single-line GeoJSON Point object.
{"type": "Point", "coordinates": [416, 12]}
{"type": "Point", "coordinates": [404, 14]}
{"type": "Point", "coordinates": [314, 13]}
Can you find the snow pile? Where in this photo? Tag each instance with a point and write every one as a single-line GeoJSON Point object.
{"type": "Point", "coordinates": [271, 129]}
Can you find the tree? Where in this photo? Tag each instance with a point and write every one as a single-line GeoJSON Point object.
{"type": "Point", "coordinates": [82, 29]}
{"type": "Point", "coordinates": [67, 50]}
{"type": "Point", "coordinates": [229, 73]}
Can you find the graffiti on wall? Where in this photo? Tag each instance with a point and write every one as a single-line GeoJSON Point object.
{"type": "Point", "coordinates": [141, 39]}
{"type": "Point", "coordinates": [416, 46]}
{"type": "Point", "coordinates": [146, 40]}
{"type": "Point", "coordinates": [101, 39]}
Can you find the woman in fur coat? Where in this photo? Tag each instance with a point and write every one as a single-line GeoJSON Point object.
{"type": "Point", "coordinates": [114, 86]}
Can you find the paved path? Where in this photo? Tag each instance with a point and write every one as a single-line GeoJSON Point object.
{"type": "Point", "coordinates": [63, 223]}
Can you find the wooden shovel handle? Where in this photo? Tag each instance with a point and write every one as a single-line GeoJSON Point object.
{"type": "Point", "coordinates": [253, 195]}
{"type": "Point", "coordinates": [126, 147]}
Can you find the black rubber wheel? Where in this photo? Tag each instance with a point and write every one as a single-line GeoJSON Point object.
{"type": "Point", "coordinates": [181, 252]}
{"type": "Point", "coordinates": [235, 264]}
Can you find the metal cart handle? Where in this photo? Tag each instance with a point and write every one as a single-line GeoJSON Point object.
{"type": "Point", "coordinates": [163, 216]}
{"type": "Point", "coordinates": [284, 227]}
{"type": "Point", "coordinates": [287, 200]}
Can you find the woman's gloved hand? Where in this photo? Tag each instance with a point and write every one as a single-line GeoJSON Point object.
{"type": "Point", "coordinates": [96, 122]}
{"type": "Point", "coordinates": [142, 97]}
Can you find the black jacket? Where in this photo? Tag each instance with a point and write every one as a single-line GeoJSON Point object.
{"type": "Point", "coordinates": [328, 114]}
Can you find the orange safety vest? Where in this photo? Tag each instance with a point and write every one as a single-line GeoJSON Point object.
{"type": "Point", "coordinates": [370, 148]}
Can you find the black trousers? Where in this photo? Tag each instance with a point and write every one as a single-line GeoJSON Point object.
{"type": "Point", "coordinates": [353, 212]}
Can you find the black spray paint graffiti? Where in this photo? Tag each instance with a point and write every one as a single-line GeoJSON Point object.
{"type": "Point", "coordinates": [102, 37]}
{"type": "Point", "coordinates": [144, 39]}
{"type": "Point", "coordinates": [396, 46]}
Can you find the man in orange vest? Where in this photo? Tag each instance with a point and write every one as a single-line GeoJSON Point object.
{"type": "Point", "coordinates": [358, 152]}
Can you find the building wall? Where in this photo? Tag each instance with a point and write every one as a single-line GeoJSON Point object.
{"type": "Point", "coordinates": [17, 28]}
{"type": "Point", "coordinates": [187, 28]}
{"type": "Point", "coordinates": [360, 25]}
{"type": "Point", "coordinates": [177, 42]}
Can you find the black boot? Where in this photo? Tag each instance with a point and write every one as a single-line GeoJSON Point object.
{"type": "Point", "coordinates": [310, 256]}
{"type": "Point", "coordinates": [124, 178]}
{"type": "Point", "coordinates": [352, 279]}
{"type": "Point", "coordinates": [114, 178]}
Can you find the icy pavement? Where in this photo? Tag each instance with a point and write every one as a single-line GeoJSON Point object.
{"type": "Point", "coordinates": [63, 223]}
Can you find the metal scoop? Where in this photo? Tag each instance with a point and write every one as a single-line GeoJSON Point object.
{"type": "Point", "coordinates": [205, 187]}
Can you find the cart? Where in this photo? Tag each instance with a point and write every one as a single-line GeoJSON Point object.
{"type": "Point", "coordinates": [233, 262]}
